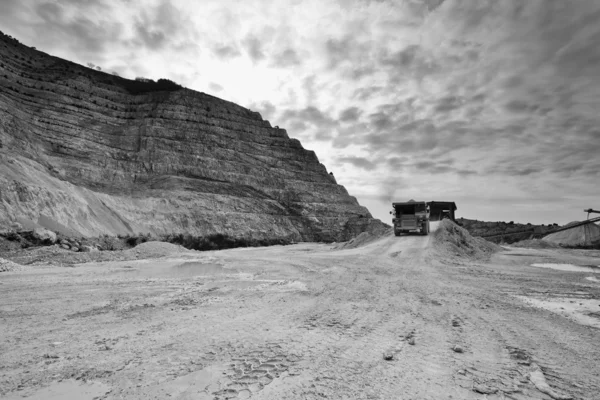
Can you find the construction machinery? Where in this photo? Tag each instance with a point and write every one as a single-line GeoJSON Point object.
{"type": "Point", "coordinates": [411, 216]}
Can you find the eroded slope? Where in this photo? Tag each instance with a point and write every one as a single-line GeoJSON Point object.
{"type": "Point", "coordinates": [90, 153]}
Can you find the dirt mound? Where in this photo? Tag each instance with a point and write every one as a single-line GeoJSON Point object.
{"type": "Point", "coordinates": [451, 242]}
{"type": "Point", "coordinates": [580, 235]}
{"type": "Point", "coordinates": [7, 265]}
{"type": "Point", "coordinates": [363, 239]}
{"type": "Point", "coordinates": [155, 250]}
{"type": "Point", "coordinates": [536, 244]}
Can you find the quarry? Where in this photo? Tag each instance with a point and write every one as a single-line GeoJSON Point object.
{"type": "Point", "coordinates": [157, 242]}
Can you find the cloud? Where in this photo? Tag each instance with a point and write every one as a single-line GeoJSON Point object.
{"type": "Point", "coordinates": [215, 87]}
{"type": "Point", "coordinates": [311, 115]}
{"type": "Point", "coordinates": [287, 58]}
{"type": "Point", "coordinates": [253, 47]}
{"type": "Point", "coordinates": [158, 26]}
{"type": "Point", "coordinates": [350, 114]}
{"type": "Point", "coordinates": [359, 162]}
{"type": "Point", "coordinates": [83, 35]}
{"type": "Point", "coordinates": [502, 95]}
{"type": "Point", "coordinates": [226, 52]}
{"type": "Point", "coordinates": [381, 121]}
{"type": "Point", "coordinates": [449, 103]}
{"type": "Point", "coordinates": [338, 50]}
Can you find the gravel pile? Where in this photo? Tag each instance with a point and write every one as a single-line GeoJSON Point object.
{"type": "Point", "coordinates": [155, 250]}
{"type": "Point", "coordinates": [536, 244]}
{"type": "Point", "coordinates": [7, 265]}
{"type": "Point", "coordinates": [363, 239]}
{"type": "Point", "coordinates": [450, 241]}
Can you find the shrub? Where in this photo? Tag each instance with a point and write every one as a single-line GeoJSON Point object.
{"type": "Point", "coordinates": [220, 241]}
{"type": "Point", "coordinates": [145, 85]}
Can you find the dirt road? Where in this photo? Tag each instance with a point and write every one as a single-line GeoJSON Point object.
{"type": "Point", "coordinates": [398, 318]}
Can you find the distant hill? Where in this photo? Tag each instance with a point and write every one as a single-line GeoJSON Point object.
{"type": "Point", "coordinates": [505, 232]}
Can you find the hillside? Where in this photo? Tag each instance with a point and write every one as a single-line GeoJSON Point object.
{"type": "Point", "coordinates": [87, 153]}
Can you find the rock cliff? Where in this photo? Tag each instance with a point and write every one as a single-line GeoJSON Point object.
{"type": "Point", "coordinates": [87, 153]}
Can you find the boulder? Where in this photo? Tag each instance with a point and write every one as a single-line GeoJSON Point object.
{"type": "Point", "coordinates": [87, 249]}
{"type": "Point", "coordinates": [44, 236]}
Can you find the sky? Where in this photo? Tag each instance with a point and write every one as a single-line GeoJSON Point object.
{"type": "Point", "coordinates": [493, 104]}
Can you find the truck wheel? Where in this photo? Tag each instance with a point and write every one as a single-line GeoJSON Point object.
{"type": "Point", "coordinates": [397, 233]}
{"type": "Point", "coordinates": [425, 228]}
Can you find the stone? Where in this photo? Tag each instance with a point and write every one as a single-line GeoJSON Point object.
{"type": "Point", "coordinates": [457, 349]}
{"type": "Point", "coordinates": [484, 389]}
{"type": "Point", "coordinates": [134, 159]}
{"type": "Point", "coordinates": [87, 249]}
{"type": "Point", "coordinates": [44, 235]}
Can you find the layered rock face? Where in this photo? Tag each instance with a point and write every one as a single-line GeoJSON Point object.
{"type": "Point", "coordinates": [88, 153]}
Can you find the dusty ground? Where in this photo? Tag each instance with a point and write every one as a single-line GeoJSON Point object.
{"type": "Point", "coordinates": [305, 322]}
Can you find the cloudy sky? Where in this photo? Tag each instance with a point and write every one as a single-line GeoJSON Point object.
{"type": "Point", "coordinates": [494, 104]}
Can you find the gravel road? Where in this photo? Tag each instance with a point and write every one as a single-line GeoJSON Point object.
{"type": "Point", "coordinates": [394, 319]}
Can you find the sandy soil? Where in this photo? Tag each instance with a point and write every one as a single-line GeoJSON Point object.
{"type": "Point", "coordinates": [393, 319]}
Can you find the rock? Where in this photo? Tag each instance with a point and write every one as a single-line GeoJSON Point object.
{"type": "Point", "coordinates": [388, 356]}
{"type": "Point", "coordinates": [7, 265]}
{"type": "Point", "coordinates": [87, 249]}
{"type": "Point", "coordinates": [183, 162]}
{"type": "Point", "coordinates": [44, 236]}
{"type": "Point", "coordinates": [457, 349]}
{"type": "Point", "coordinates": [411, 341]}
{"type": "Point", "coordinates": [484, 389]}
{"type": "Point", "coordinates": [536, 376]}
{"type": "Point", "coordinates": [74, 248]}
{"type": "Point", "coordinates": [65, 246]}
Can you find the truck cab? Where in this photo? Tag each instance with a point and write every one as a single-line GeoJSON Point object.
{"type": "Point", "coordinates": [411, 216]}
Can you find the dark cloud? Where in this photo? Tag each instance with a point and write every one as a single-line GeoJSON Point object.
{"type": "Point", "coordinates": [253, 47]}
{"type": "Point", "coordinates": [226, 52]}
{"type": "Point", "coordinates": [84, 36]}
{"type": "Point", "coordinates": [432, 167]}
{"type": "Point", "coordinates": [297, 126]}
{"type": "Point", "coordinates": [402, 58]}
{"type": "Point", "coordinates": [381, 121]}
{"type": "Point", "coordinates": [287, 58]}
{"type": "Point", "coordinates": [156, 27]}
{"type": "Point", "coordinates": [350, 114]}
{"type": "Point", "coordinates": [520, 106]}
{"type": "Point", "coordinates": [348, 134]}
{"type": "Point", "coordinates": [359, 162]}
{"type": "Point", "coordinates": [448, 103]}
{"type": "Point", "coordinates": [311, 115]}
{"type": "Point", "coordinates": [338, 50]}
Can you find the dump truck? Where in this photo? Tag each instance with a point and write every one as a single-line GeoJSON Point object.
{"type": "Point", "coordinates": [411, 216]}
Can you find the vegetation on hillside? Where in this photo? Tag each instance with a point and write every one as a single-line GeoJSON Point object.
{"type": "Point", "coordinates": [504, 230]}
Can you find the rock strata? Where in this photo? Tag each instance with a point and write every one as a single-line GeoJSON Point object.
{"type": "Point", "coordinates": [86, 153]}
